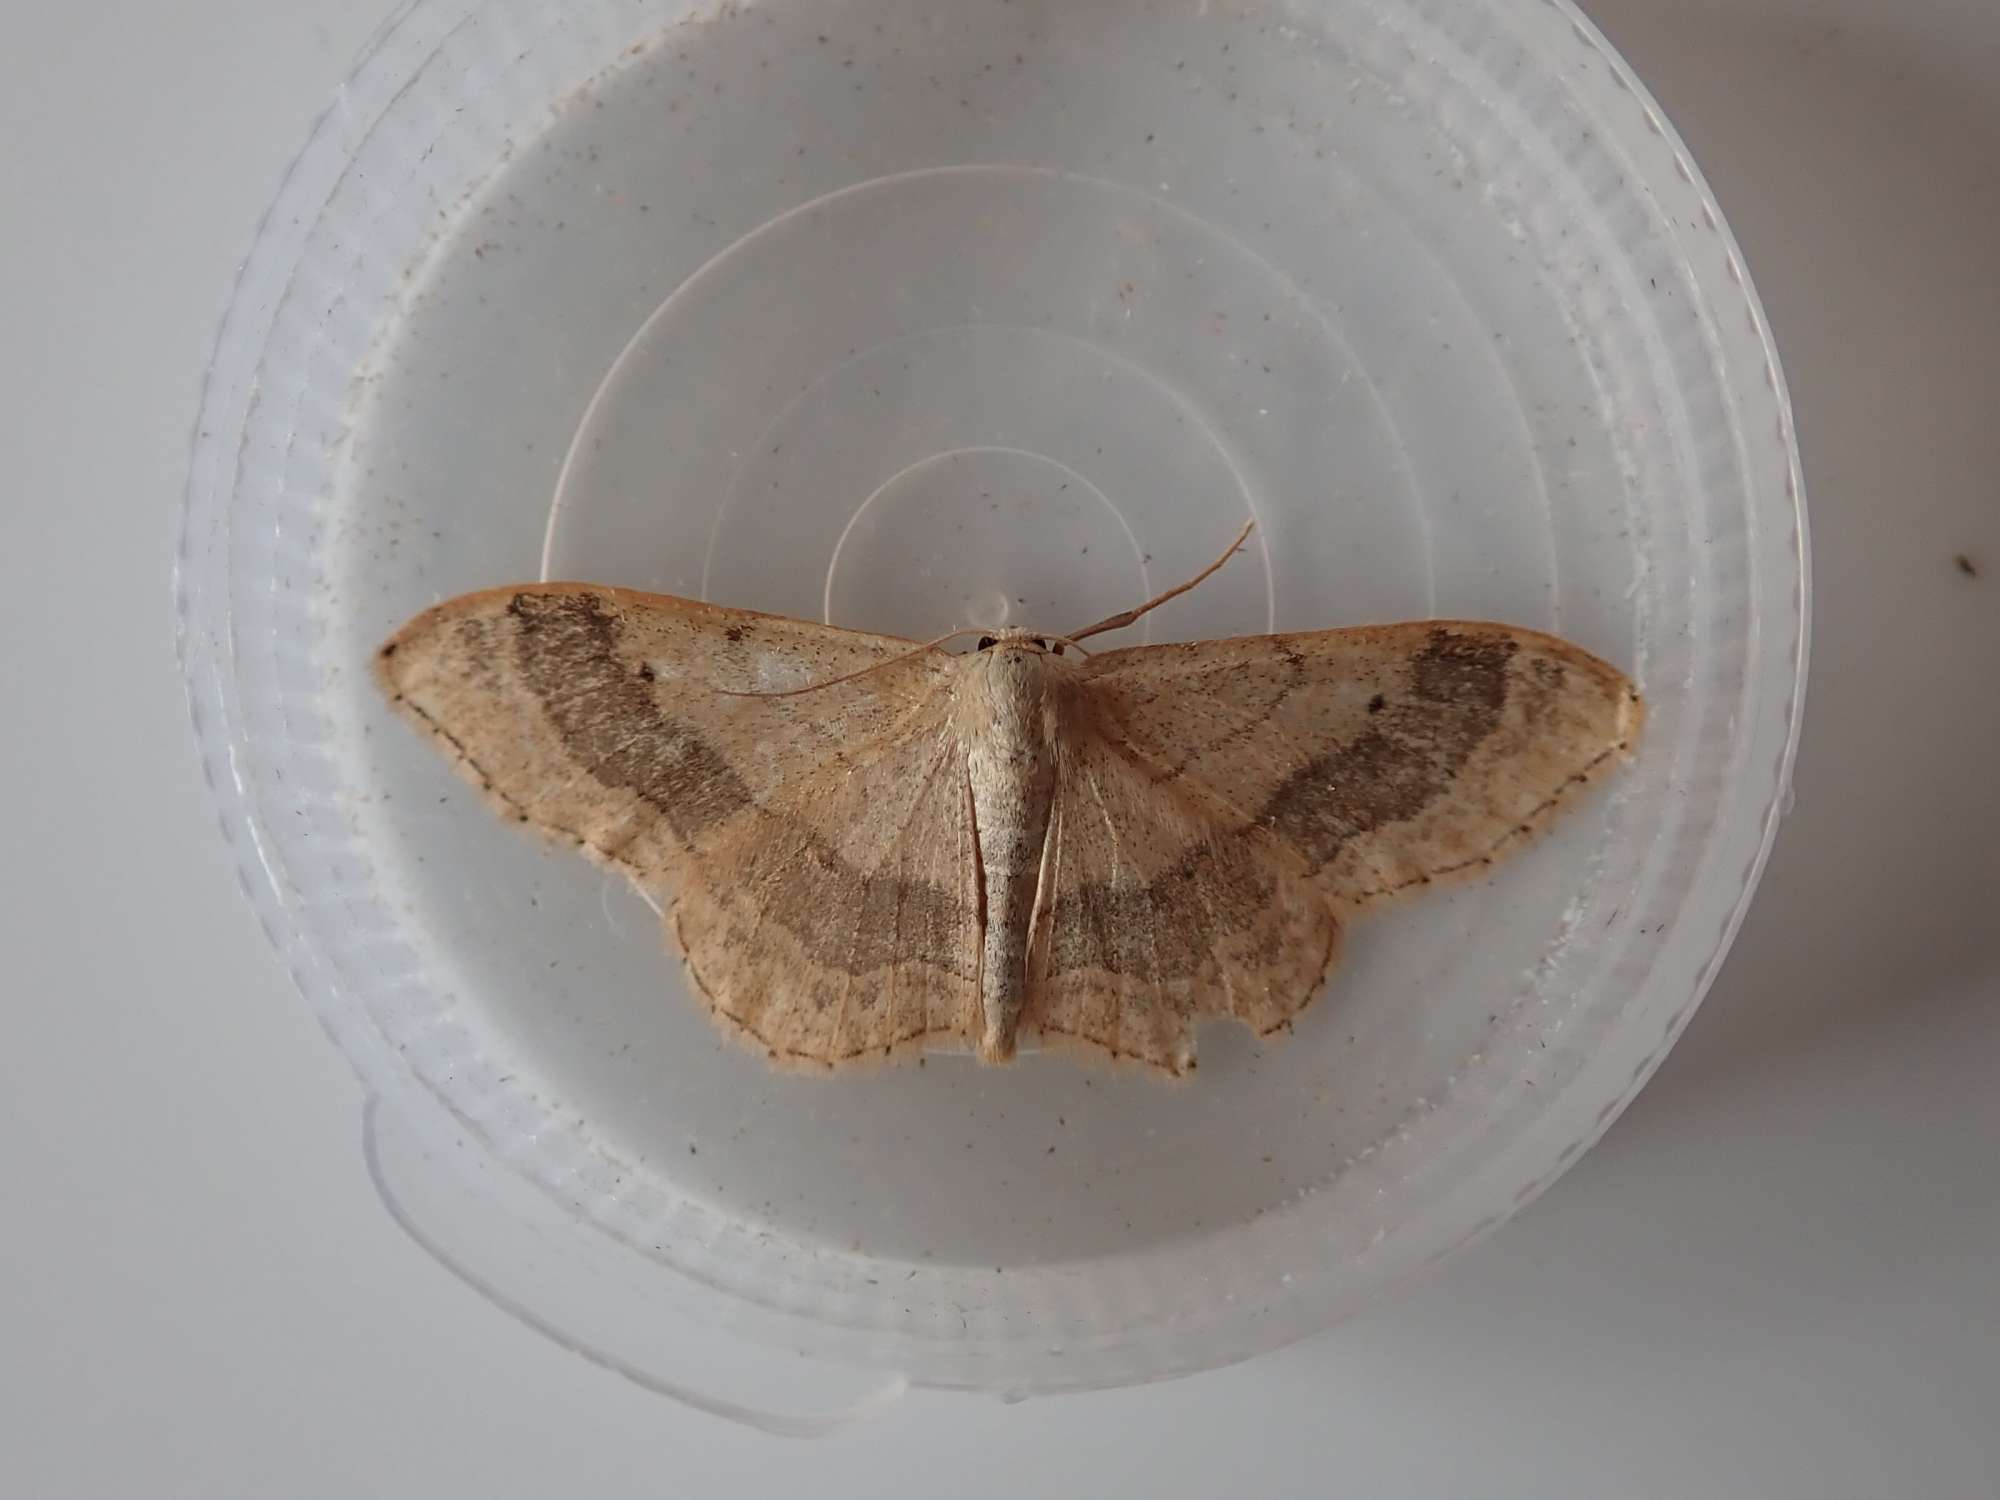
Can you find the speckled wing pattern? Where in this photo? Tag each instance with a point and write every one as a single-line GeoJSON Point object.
{"type": "Point", "coordinates": [1219, 808]}
{"type": "Point", "coordinates": [1224, 805]}
{"type": "Point", "coordinates": [813, 853]}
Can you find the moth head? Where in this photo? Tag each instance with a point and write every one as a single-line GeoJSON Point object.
{"type": "Point", "coordinates": [1020, 640]}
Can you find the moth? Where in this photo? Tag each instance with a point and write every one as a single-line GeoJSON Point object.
{"type": "Point", "coordinates": [868, 847]}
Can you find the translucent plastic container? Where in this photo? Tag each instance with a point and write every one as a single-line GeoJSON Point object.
{"type": "Point", "coordinates": [907, 315]}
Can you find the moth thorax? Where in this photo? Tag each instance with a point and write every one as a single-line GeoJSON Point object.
{"type": "Point", "coordinates": [1017, 689]}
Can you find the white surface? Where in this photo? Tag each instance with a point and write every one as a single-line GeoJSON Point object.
{"type": "Point", "coordinates": [1779, 1274]}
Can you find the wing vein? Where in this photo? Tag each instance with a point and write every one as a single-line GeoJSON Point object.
{"type": "Point", "coordinates": [1117, 883]}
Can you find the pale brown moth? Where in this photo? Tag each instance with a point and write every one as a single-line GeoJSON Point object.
{"type": "Point", "coordinates": [868, 847]}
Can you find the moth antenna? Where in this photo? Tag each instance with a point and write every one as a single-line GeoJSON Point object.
{"type": "Point", "coordinates": [1121, 620]}
{"type": "Point", "coordinates": [813, 687]}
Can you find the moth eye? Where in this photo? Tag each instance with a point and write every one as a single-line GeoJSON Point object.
{"type": "Point", "coordinates": [1041, 644]}
{"type": "Point", "coordinates": [985, 642]}
{"type": "Point", "coordinates": [1057, 648]}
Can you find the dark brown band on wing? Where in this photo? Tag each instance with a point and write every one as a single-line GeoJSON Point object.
{"type": "Point", "coordinates": [1134, 929]}
{"type": "Point", "coordinates": [1412, 749]}
{"type": "Point", "coordinates": [1409, 753]}
{"type": "Point", "coordinates": [571, 654]}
